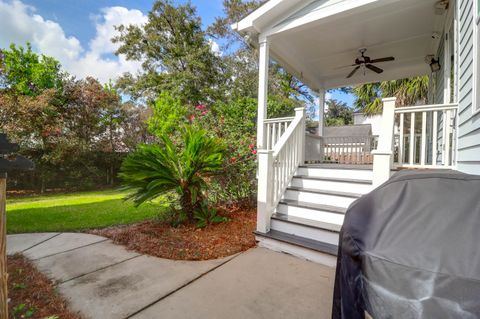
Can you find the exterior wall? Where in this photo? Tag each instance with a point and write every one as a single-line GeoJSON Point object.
{"type": "Point", "coordinates": [469, 125]}
{"type": "Point", "coordinates": [375, 121]}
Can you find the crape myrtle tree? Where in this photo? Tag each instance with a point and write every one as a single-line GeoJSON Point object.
{"type": "Point", "coordinates": [76, 131]}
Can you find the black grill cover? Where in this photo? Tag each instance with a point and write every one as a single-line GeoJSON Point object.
{"type": "Point", "coordinates": [411, 249]}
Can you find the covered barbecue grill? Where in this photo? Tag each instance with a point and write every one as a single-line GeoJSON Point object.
{"type": "Point", "coordinates": [411, 249]}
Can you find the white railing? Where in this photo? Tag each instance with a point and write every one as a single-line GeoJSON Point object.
{"type": "Point", "coordinates": [428, 143]}
{"type": "Point", "coordinates": [277, 166]}
{"type": "Point", "coordinates": [348, 149]}
{"type": "Point", "coordinates": [426, 136]}
{"type": "Point", "coordinates": [274, 129]}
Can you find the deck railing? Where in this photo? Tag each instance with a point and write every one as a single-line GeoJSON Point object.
{"type": "Point", "coordinates": [348, 149]}
{"type": "Point", "coordinates": [274, 129]}
{"type": "Point", "coordinates": [276, 167]}
{"type": "Point", "coordinates": [426, 136]}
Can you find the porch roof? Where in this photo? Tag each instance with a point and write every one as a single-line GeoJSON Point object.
{"type": "Point", "coordinates": [318, 40]}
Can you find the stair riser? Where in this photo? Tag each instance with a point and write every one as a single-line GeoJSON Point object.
{"type": "Point", "coordinates": [332, 200]}
{"type": "Point", "coordinates": [337, 173]}
{"type": "Point", "coordinates": [332, 185]}
{"type": "Point", "coordinates": [305, 253]}
{"type": "Point", "coordinates": [318, 234]}
{"type": "Point", "coordinates": [317, 215]}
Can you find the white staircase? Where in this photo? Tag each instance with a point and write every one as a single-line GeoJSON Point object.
{"type": "Point", "coordinates": [308, 218]}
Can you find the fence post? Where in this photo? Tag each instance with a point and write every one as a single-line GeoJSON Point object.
{"type": "Point", "coordinates": [382, 156]}
{"type": "Point", "coordinates": [300, 112]}
{"type": "Point", "coordinates": [265, 190]}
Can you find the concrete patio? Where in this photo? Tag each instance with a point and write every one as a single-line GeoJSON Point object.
{"type": "Point", "coordinates": [103, 280]}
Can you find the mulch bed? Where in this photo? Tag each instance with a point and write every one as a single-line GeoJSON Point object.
{"type": "Point", "coordinates": [186, 242]}
{"type": "Point", "coordinates": [32, 294]}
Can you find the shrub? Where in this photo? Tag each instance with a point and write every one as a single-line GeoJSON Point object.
{"type": "Point", "coordinates": [185, 169]}
{"type": "Point", "coordinates": [206, 215]}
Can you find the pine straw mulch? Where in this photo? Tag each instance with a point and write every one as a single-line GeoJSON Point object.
{"type": "Point", "coordinates": [186, 242]}
{"type": "Point", "coordinates": [32, 294]}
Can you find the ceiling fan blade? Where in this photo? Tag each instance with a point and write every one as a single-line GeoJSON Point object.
{"type": "Point", "coordinates": [345, 66]}
{"type": "Point", "coordinates": [390, 58]}
{"type": "Point", "coordinates": [374, 68]}
{"type": "Point", "coordinates": [353, 72]}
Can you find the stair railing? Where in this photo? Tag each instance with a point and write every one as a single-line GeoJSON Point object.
{"type": "Point", "coordinates": [276, 168]}
{"type": "Point", "coordinates": [275, 128]}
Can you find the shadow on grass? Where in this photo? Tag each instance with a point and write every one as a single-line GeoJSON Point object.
{"type": "Point", "coordinates": [77, 217]}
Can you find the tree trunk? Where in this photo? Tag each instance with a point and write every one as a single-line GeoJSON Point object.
{"type": "Point", "coordinates": [187, 206]}
{"type": "Point", "coordinates": [3, 249]}
{"type": "Point", "coordinates": [42, 182]}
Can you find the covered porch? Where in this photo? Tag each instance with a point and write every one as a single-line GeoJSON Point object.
{"type": "Point", "coordinates": [330, 44]}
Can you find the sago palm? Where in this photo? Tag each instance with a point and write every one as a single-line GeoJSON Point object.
{"type": "Point", "coordinates": [154, 170]}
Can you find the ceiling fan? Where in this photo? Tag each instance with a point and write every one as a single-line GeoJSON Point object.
{"type": "Point", "coordinates": [366, 62]}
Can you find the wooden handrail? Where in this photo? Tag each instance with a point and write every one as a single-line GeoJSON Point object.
{"type": "Point", "coordinates": [286, 136]}
{"type": "Point", "coordinates": [279, 119]}
{"type": "Point", "coordinates": [426, 108]}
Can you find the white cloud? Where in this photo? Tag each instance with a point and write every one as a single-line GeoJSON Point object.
{"type": "Point", "coordinates": [215, 47]}
{"type": "Point", "coordinates": [20, 22]}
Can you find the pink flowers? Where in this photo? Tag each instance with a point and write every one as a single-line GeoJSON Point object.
{"type": "Point", "coordinates": [200, 107]}
{"type": "Point", "coordinates": [192, 117]}
{"type": "Point", "coordinates": [252, 148]}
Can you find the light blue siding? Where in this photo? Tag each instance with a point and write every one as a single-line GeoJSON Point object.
{"type": "Point", "coordinates": [469, 125]}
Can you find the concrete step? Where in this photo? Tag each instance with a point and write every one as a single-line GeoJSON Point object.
{"type": "Point", "coordinates": [356, 186]}
{"type": "Point", "coordinates": [315, 196]}
{"type": "Point", "coordinates": [323, 253]}
{"type": "Point", "coordinates": [351, 172]}
{"type": "Point", "coordinates": [315, 212]}
{"type": "Point", "coordinates": [319, 231]}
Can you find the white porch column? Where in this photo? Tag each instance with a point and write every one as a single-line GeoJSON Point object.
{"type": "Point", "coordinates": [382, 156]}
{"type": "Point", "coordinates": [262, 92]}
{"type": "Point", "coordinates": [321, 111]}
{"type": "Point", "coordinates": [265, 191]}
{"type": "Point", "coordinates": [300, 113]}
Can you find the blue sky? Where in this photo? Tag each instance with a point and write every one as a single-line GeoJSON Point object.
{"type": "Point", "coordinates": [77, 32]}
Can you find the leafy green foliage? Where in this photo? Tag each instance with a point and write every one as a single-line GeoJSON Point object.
{"type": "Point", "coordinates": [338, 113]}
{"type": "Point", "coordinates": [154, 170]}
{"type": "Point", "coordinates": [26, 72]}
{"type": "Point", "coordinates": [175, 54]}
{"type": "Point", "coordinates": [407, 91]}
{"type": "Point", "coordinates": [22, 311]}
{"type": "Point", "coordinates": [168, 114]}
{"type": "Point", "coordinates": [204, 215]}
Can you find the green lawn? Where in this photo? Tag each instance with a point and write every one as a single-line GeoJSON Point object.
{"type": "Point", "coordinates": [75, 211]}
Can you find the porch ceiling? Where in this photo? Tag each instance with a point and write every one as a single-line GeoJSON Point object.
{"type": "Point", "coordinates": [316, 51]}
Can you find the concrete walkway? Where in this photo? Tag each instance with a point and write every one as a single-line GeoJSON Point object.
{"type": "Point", "coordinates": [103, 280]}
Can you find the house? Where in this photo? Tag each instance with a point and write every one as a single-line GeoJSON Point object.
{"type": "Point", "coordinates": [337, 43]}
{"type": "Point", "coordinates": [375, 121]}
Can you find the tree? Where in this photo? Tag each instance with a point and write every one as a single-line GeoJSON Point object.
{"type": "Point", "coordinates": [27, 73]}
{"type": "Point", "coordinates": [175, 54]}
{"type": "Point", "coordinates": [338, 113]}
{"type": "Point", "coordinates": [241, 59]}
{"type": "Point", "coordinates": [407, 91]}
{"type": "Point", "coordinates": [155, 169]}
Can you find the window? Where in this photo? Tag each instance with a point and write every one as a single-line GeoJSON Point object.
{"type": "Point", "coordinates": [476, 56]}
